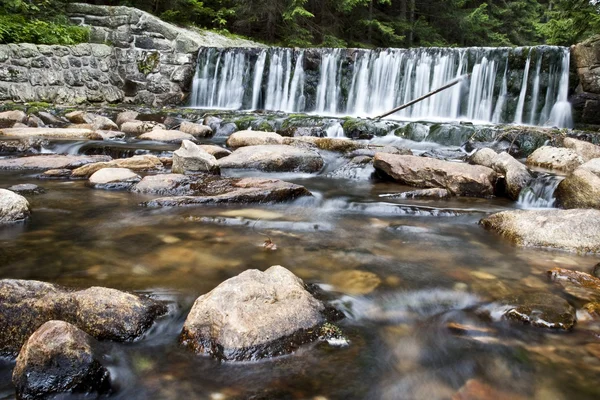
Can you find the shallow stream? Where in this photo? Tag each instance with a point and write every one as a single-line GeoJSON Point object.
{"type": "Point", "coordinates": [411, 276]}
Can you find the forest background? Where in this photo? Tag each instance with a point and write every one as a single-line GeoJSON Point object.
{"type": "Point", "coordinates": [335, 23]}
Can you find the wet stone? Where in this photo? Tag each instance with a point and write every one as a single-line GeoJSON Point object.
{"type": "Point", "coordinates": [578, 284]}
{"type": "Point", "coordinates": [27, 188]}
{"type": "Point", "coordinates": [542, 310]}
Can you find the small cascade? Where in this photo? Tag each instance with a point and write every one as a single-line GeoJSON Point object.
{"type": "Point", "coordinates": [540, 192]}
{"type": "Point", "coordinates": [366, 83]}
{"type": "Point", "coordinates": [335, 131]}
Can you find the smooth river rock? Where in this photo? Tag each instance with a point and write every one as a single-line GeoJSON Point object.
{"type": "Point", "coordinates": [196, 130]}
{"type": "Point", "coordinates": [145, 162]}
{"type": "Point", "coordinates": [578, 284]}
{"type": "Point", "coordinates": [253, 315]}
{"type": "Point", "coordinates": [557, 158]}
{"type": "Point", "coordinates": [273, 158]}
{"type": "Point", "coordinates": [458, 178]}
{"type": "Point", "coordinates": [572, 230]}
{"type": "Point", "coordinates": [114, 179]}
{"type": "Point", "coordinates": [586, 150]}
{"type": "Point", "coordinates": [59, 358]}
{"type": "Point", "coordinates": [581, 189]}
{"type": "Point", "coordinates": [51, 133]}
{"type": "Point", "coordinates": [50, 161]}
{"type": "Point", "coordinates": [210, 189]}
{"type": "Point", "coordinates": [101, 312]}
{"type": "Point", "coordinates": [329, 144]}
{"type": "Point", "coordinates": [253, 138]}
{"type": "Point", "coordinates": [516, 175]}
{"type": "Point", "coordinates": [161, 135]}
{"type": "Point", "coordinates": [27, 188]}
{"type": "Point", "coordinates": [13, 207]}
{"type": "Point", "coordinates": [140, 127]}
{"type": "Point", "coordinates": [190, 158]}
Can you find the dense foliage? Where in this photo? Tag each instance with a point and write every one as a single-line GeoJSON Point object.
{"type": "Point", "coordinates": [37, 21]}
{"type": "Point", "coordinates": [339, 23]}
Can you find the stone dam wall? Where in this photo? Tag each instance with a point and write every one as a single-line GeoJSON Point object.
{"type": "Point", "coordinates": [133, 57]}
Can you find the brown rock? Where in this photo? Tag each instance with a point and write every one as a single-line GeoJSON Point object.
{"type": "Point", "coordinates": [253, 138]}
{"type": "Point", "coordinates": [146, 162]}
{"type": "Point", "coordinates": [458, 178]}
{"type": "Point", "coordinates": [581, 189]}
{"type": "Point", "coordinates": [557, 158]}
{"type": "Point", "coordinates": [51, 161]}
{"type": "Point", "coordinates": [51, 133]}
{"type": "Point", "coordinates": [586, 150]}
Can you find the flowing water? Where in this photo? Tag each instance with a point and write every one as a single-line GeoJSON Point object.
{"type": "Point", "coordinates": [502, 86]}
{"type": "Point", "coordinates": [413, 325]}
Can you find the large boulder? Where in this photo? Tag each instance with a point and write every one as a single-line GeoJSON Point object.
{"type": "Point", "coordinates": [458, 178]}
{"type": "Point", "coordinates": [571, 230]}
{"type": "Point", "coordinates": [190, 158]}
{"type": "Point", "coordinates": [273, 158]}
{"type": "Point", "coordinates": [161, 135]}
{"type": "Point", "coordinates": [145, 162]}
{"type": "Point", "coordinates": [51, 161]}
{"type": "Point", "coordinates": [210, 189]}
{"type": "Point", "coordinates": [581, 189]}
{"type": "Point", "coordinates": [101, 312]}
{"type": "Point", "coordinates": [196, 130]}
{"type": "Point", "coordinates": [13, 115]}
{"type": "Point", "coordinates": [253, 138]}
{"type": "Point", "coordinates": [253, 315]}
{"type": "Point", "coordinates": [13, 207]}
{"type": "Point", "coordinates": [114, 179]}
{"type": "Point", "coordinates": [557, 158]}
{"type": "Point", "coordinates": [59, 358]}
{"type": "Point", "coordinates": [586, 150]}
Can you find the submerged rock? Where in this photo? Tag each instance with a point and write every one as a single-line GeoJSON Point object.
{"type": "Point", "coordinates": [273, 158]}
{"type": "Point", "coordinates": [355, 281]}
{"type": "Point", "coordinates": [581, 189]}
{"type": "Point", "coordinates": [558, 158]}
{"type": "Point", "coordinates": [457, 178]}
{"type": "Point", "coordinates": [101, 312]}
{"type": "Point", "coordinates": [146, 162]}
{"type": "Point", "coordinates": [114, 179]}
{"type": "Point", "coordinates": [578, 284]}
{"type": "Point", "coordinates": [253, 315]}
{"type": "Point", "coordinates": [572, 230]}
{"type": "Point", "coordinates": [50, 161]}
{"type": "Point", "coordinates": [207, 189]}
{"type": "Point", "coordinates": [59, 358]}
{"type": "Point", "coordinates": [542, 310]}
{"type": "Point", "coordinates": [190, 158]}
{"type": "Point", "coordinates": [27, 188]}
{"type": "Point", "coordinates": [253, 138]}
{"type": "Point", "coordinates": [13, 207]}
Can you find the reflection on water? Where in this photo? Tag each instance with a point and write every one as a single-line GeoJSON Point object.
{"type": "Point", "coordinates": [409, 274]}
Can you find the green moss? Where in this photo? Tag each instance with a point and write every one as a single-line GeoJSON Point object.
{"type": "Point", "coordinates": [148, 63]}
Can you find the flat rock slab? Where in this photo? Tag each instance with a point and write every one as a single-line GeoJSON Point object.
{"type": "Point", "coordinates": [100, 312]}
{"type": "Point", "coordinates": [458, 178]}
{"type": "Point", "coordinates": [146, 162]}
{"type": "Point", "coordinates": [253, 315]}
{"type": "Point", "coordinates": [55, 133]}
{"type": "Point", "coordinates": [253, 138]}
{"type": "Point", "coordinates": [114, 179]}
{"type": "Point", "coordinates": [51, 161]}
{"type": "Point", "coordinates": [210, 189]}
{"type": "Point", "coordinates": [273, 158]}
{"type": "Point", "coordinates": [572, 230]}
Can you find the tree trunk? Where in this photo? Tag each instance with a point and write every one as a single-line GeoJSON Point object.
{"type": "Point", "coordinates": [411, 7]}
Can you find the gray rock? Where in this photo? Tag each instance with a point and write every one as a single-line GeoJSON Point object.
{"type": "Point", "coordinates": [253, 315]}
{"type": "Point", "coordinates": [126, 116]}
{"type": "Point", "coordinates": [13, 207]}
{"type": "Point", "coordinates": [80, 117]}
{"type": "Point", "coordinates": [51, 161]}
{"type": "Point", "coordinates": [555, 158]}
{"type": "Point", "coordinates": [572, 230]}
{"type": "Point", "coordinates": [59, 358]}
{"type": "Point", "coordinates": [216, 151]}
{"type": "Point", "coordinates": [516, 175]}
{"type": "Point", "coordinates": [484, 157]}
{"type": "Point", "coordinates": [424, 194]}
{"type": "Point", "coordinates": [196, 130]}
{"type": "Point", "coordinates": [211, 189]}
{"type": "Point", "coordinates": [253, 138]}
{"type": "Point", "coordinates": [106, 314]}
{"type": "Point", "coordinates": [190, 158]}
{"type": "Point", "coordinates": [273, 158]}
{"type": "Point", "coordinates": [35, 122]}
{"type": "Point", "coordinates": [114, 179]}
{"type": "Point", "coordinates": [457, 178]}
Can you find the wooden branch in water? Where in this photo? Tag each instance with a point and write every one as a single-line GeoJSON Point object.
{"type": "Point", "coordinates": [410, 103]}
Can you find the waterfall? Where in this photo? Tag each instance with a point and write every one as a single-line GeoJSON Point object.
{"type": "Point", "coordinates": [521, 103]}
{"type": "Point", "coordinates": [540, 192]}
{"type": "Point", "coordinates": [367, 83]}
{"type": "Point", "coordinates": [335, 131]}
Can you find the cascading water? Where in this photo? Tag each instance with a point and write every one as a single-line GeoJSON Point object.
{"type": "Point", "coordinates": [540, 192]}
{"type": "Point", "coordinates": [501, 87]}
